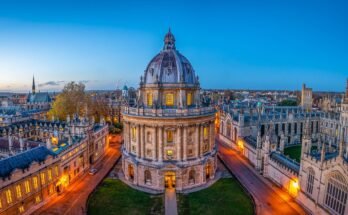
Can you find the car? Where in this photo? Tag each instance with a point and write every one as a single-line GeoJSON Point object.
{"type": "Point", "coordinates": [92, 171]}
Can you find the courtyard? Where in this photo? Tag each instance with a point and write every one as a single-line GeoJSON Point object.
{"type": "Point", "coordinates": [115, 197]}
{"type": "Point", "coordinates": [226, 196]}
{"type": "Point", "coordinates": [294, 152]}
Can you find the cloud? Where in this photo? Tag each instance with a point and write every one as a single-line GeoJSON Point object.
{"type": "Point", "coordinates": [51, 83]}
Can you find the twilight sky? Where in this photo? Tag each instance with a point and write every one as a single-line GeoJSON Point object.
{"type": "Point", "coordinates": [231, 44]}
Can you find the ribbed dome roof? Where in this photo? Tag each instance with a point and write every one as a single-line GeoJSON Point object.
{"type": "Point", "coordinates": [169, 66]}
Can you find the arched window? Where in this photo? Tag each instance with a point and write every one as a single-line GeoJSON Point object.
{"type": "Point", "coordinates": [147, 176]}
{"type": "Point", "coordinates": [222, 128]}
{"type": "Point", "coordinates": [336, 194]}
{"type": "Point", "coordinates": [310, 181]}
{"type": "Point", "coordinates": [130, 171]}
{"type": "Point", "coordinates": [235, 133]}
{"type": "Point", "coordinates": [192, 177]}
{"type": "Point", "coordinates": [208, 170]}
{"type": "Point", "coordinates": [229, 128]}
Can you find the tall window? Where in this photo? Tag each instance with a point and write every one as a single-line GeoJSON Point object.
{"type": "Point", "coordinates": [8, 196]}
{"type": "Point", "coordinates": [169, 99]}
{"type": "Point", "coordinates": [336, 194]}
{"type": "Point", "coordinates": [192, 177]}
{"type": "Point", "coordinates": [147, 174]}
{"type": "Point", "coordinates": [149, 99]}
{"type": "Point", "coordinates": [35, 182]}
{"type": "Point", "coordinates": [56, 171]}
{"type": "Point", "coordinates": [0, 204]}
{"type": "Point", "coordinates": [49, 173]}
{"type": "Point", "coordinates": [310, 181]}
{"type": "Point", "coordinates": [42, 177]}
{"type": "Point", "coordinates": [205, 133]}
{"type": "Point", "coordinates": [134, 133]}
{"type": "Point", "coordinates": [18, 191]}
{"type": "Point", "coordinates": [27, 186]}
{"type": "Point", "coordinates": [228, 129]}
{"type": "Point", "coordinates": [170, 136]}
{"type": "Point", "coordinates": [189, 99]}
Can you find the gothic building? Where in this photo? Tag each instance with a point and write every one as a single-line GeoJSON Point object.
{"type": "Point", "coordinates": [319, 181]}
{"type": "Point", "coordinates": [38, 100]}
{"type": "Point", "coordinates": [169, 133]}
{"type": "Point", "coordinates": [40, 158]}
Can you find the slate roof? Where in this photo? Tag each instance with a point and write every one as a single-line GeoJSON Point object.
{"type": "Point", "coordinates": [38, 97]}
{"type": "Point", "coordinates": [285, 161]}
{"type": "Point", "coordinates": [23, 160]}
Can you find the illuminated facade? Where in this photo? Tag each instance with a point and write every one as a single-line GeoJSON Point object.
{"type": "Point", "coordinates": [50, 155]}
{"type": "Point", "coordinates": [169, 133]}
{"type": "Point", "coordinates": [319, 182]}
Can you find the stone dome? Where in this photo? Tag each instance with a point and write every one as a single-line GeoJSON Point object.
{"type": "Point", "coordinates": [169, 66]}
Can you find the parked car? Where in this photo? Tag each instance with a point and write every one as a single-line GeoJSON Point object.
{"type": "Point", "coordinates": [93, 171]}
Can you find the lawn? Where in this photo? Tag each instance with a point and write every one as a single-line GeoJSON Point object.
{"type": "Point", "coordinates": [115, 197]}
{"type": "Point", "coordinates": [226, 196]}
{"type": "Point", "coordinates": [294, 152]}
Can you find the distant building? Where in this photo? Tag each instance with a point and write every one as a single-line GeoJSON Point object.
{"type": "Point", "coordinates": [306, 98]}
{"type": "Point", "coordinates": [38, 100]}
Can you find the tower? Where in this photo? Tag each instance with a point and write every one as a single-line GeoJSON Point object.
{"type": "Point", "coordinates": [33, 86]}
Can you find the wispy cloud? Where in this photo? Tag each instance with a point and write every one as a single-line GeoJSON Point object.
{"type": "Point", "coordinates": [51, 83]}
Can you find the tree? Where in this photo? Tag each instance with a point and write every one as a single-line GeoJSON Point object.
{"type": "Point", "coordinates": [74, 100]}
{"type": "Point", "coordinates": [288, 102]}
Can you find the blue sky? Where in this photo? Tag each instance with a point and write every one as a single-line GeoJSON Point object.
{"type": "Point", "coordinates": [231, 44]}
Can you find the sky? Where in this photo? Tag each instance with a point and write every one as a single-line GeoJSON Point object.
{"type": "Point", "coordinates": [267, 44]}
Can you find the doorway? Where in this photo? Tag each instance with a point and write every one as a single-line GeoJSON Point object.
{"type": "Point", "coordinates": [169, 179]}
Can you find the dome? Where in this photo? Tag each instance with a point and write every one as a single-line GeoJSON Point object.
{"type": "Point", "coordinates": [169, 66]}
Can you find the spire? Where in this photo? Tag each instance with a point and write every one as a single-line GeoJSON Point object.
{"type": "Point", "coordinates": [33, 86]}
{"type": "Point", "coordinates": [169, 41]}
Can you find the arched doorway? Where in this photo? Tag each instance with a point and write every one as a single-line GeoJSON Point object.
{"type": "Point", "coordinates": [131, 171]}
{"type": "Point", "coordinates": [169, 179]}
{"type": "Point", "coordinates": [208, 170]}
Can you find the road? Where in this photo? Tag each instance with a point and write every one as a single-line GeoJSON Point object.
{"type": "Point", "coordinates": [269, 198]}
{"type": "Point", "coordinates": [73, 200]}
{"type": "Point", "coordinates": [170, 202]}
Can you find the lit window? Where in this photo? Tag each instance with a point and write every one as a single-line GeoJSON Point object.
{"type": "Point", "coordinates": [18, 191]}
{"type": "Point", "coordinates": [49, 173]}
{"type": "Point", "coordinates": [205, 133]}
{"type": "Point", "coordinates": [35, 182]}
{"type": "Point", "coordinates": [0, 204]}
{"type": "Point", "coordinates": [189, 99]}
{"type": "Point", "coordinates": [42, 177]}
{"type": "Point", "coordinates": [8, 196]}
{"type": "Point", "coordinates": [27, 186]}
{"type": "Point", "coordinates": [21, 209]}
{"type": "Point", "coordinates": [134, 133]}
{"type": "Point", "coordinates": [170, 152]}
{"type": "Point", "coordinates": [170, 136]}
{"type": "Point", "coordinates": [169, 99]}
{"type": "Point", "coordinates": [149, 99]}
{"type": "Point", "coordinates": [51, 190]}
{"type": "Point", "coordinates": [37, 199]}
{"type": "Point", "coordinates": [56, 170]}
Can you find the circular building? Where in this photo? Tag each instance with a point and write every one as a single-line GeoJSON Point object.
{"type": "Point", "coordinates": [169, 136]}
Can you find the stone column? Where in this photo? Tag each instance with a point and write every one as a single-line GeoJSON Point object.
{"type": "Point", "coordinates": [138, 141]}
{"type": "Point", "coordinates": [185, 144]}
{"type": "Point", "coordinates": [197, 141]}
{"type": "Point", "coordinates": [156, 143]}
{"type": "Point", "coordinates": [201, 142]}
{"type": "Point", "coordinates": [160, 145]}
{"type": "Point", "coordinates": [211, 136]}
{"type": "Point", "coordinates": [143, 143]}
{"type": "Point", "coordinates": [178, 143]}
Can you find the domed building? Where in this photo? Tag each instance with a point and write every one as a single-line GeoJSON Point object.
{"type": "Point", "coordinates": [169, 136]}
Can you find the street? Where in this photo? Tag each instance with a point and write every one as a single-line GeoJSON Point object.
{"type": "Point", "coordinates": [73, 200]}
{"type": "Point", "coordinates": [269, 198]}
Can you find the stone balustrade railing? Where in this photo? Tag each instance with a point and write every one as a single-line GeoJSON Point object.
{"type": "Point", "coordinates": [152, 112]}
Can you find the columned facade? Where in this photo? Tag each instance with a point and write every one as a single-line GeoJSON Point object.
{"type": "Point", "coordinates": [169, 134]}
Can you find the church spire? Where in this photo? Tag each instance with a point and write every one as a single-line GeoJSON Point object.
{"type": "Point", "coordinates": [33, 86]}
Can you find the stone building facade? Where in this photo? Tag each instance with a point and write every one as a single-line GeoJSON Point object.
{"type": "Point", "coordinates": [169, 134]}
{"type": "Point", "coordinates": [306, 98]}
{"type": "Point", "coordinates": [319, 182]}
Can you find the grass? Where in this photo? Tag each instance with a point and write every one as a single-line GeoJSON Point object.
{"type": "Point", "coordinates": [294, 152]}
{"type": "Point", "coordinates": [115, 197]}
{"type": "Point", "coordinates": [226, 196]}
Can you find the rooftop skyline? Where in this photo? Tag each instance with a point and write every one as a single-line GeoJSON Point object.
{"type": "Point", "coordinates": [248, 45]}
